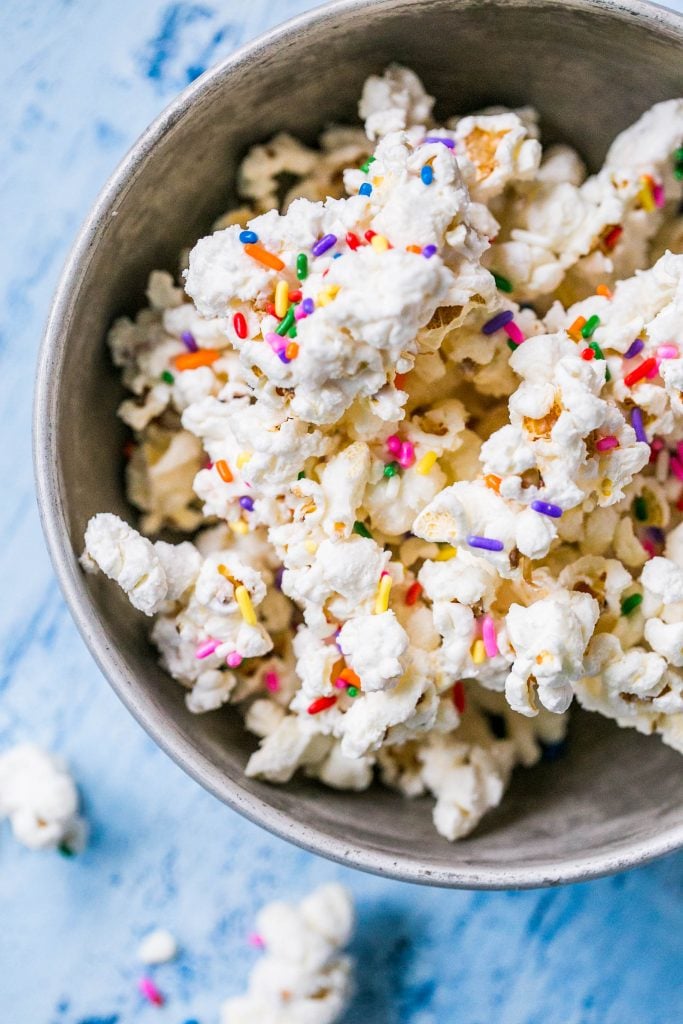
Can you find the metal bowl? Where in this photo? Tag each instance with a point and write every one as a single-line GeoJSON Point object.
{"type": "Point", "coordinates": [590, 68]}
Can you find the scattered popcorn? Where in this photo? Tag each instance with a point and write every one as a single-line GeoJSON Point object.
{"type": "Point", "coordinates": [40, 799]}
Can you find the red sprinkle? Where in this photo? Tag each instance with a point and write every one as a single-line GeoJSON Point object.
{"type": "Point", "coordinates": [399, 380]}
{"type": "Point", "coordinates": [270, 309]}
{"type": "Point", "coordinates": [413, 592]}
{"type": "Point", "coordinates": [588, 354]}
{"type": "Point", "coordinates": [369, 235]}
{"type": "Point", "coordinates": [321, 704]}
{"type": "Point", "coordinates": [353, 241]}
{"type": "Point", "coordinates": [459, 696]}
{"type": "Point", "coordinates": [240, 325]}
{"type": "Point", "coordinates": [640, 371]}
{"type": "Point", "coordinates": [613, 236]}
{"type": "Point", "coordinates": [295, 296]}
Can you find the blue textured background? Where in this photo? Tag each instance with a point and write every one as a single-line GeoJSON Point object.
{"type": "Point", "coordinates": [80, 80]}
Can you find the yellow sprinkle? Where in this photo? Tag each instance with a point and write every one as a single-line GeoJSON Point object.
{"type": "Point", "coordinates": [645, 196]}
{"type": "Point", "coordinates": [245, 606]}
{"type": "Point", "coordinates": [426, 463]}
{"type": "Point", "coordinates": [281, 298]}
{"type": "Point", "coordinates": [311, 547]}
{"type": "Point", "coordinates": [607, 487]}
{"type": "Point", "coordinates": [377, 180]}
{"type": "Point", "coordinates": [242, 459]}
{"type": "Point", "coordinates": [333, 289]}
{"type": "Point", "coordinates": [445, 553]}
{"type": "Point", "coordinates": [239, 526]}
{"type": "Point", "coordinates": [478, 652]}
{"type": "Point", "coordinates": [383, 592]}
{"type": "Point", "coordinates": [323, 298]}
{"type": "Point", "coordinates": [379, 243]}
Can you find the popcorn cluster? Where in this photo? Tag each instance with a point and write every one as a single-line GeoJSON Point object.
{"type": "Point", "coordinates": [424, 420]}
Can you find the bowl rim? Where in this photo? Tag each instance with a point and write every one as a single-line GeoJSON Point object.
{"type": "Point", "coordinates": [616, 857]}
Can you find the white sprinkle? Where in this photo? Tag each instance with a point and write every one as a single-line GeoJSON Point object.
{"type": "Point", "coordinates": [158, 947]}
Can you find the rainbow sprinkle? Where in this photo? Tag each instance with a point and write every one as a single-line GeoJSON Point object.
{"type": "Point", "coordinates": [427, 174]}
{"type": "Point", "coordinates": [324, 244]}
{"type": "Point", "coordinates": [637, 424]}
{"type": "Point", "coordinates": [365, 189]}
{"type": "Point", "coordinates": [605, 444]}
{"type": "Point", "coordinates": [383, 593]}
{"type": "Point", "coordinates": [634, 348]}
{"type": "Point", "coordinates": [248, 237]}
{"type": "Point", "coordinates": [631, 602]}
{"type": "Point", "coordinates": [245, 606]}
{"type": "Point", "coordinates": [498, 321]}
{"type": "Point", "coordinates": [545, 508]}
{"type": "Point", "coordinates": [485, 543]}
{"type": "Point", "coordinates": [488, 633]}
{"type": "Point", "coordinates": [151, 993]}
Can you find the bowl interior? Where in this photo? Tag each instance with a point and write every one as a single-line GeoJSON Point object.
{"type": "Point", "coordinates": [590, 70]}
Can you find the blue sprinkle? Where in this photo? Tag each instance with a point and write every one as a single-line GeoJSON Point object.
{"type": "Point", "coordinates": [546, 509]}
{"type": "Point", "coordinates": [247, 503]}
{"type": "Point", "coordinates": [337, 256]}
{"type": "Point", "coordinates": [365, 189]}
{"type": "Point", "coordinates": [308, 306]}
{"type": "Point", "coordinates": [427, 174]}
{"type": "Point", "coordinates": [248, 237]}
{"type": "Point", "coordinates": [323, 244]}
{"type": "Point", "coordinates": [429, 251]}
{"type": "Point", "coordinates": [498, 321]}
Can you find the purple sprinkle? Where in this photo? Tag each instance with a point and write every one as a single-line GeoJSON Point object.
{"type": "Point", "coordinates": [546, 509]}
{"type": "Point", "coordinates": [498, 321]}
{"type": "Point", "coordinates": [637, 424]}
{"type": "Point", "coordinates": [247, 503]}
{"type": "Point", "coordinates": [656, 534]}
{"type": "Point", "coordinates": [188, 341]}
{"type": "Point", "coordinates": [637, 346]}
{"type": "Point", "coordinates": [323, 244]}
{"type": "Point", "coordinates": [308, 306]}
{"type": "Point", "coordinates": [485, 543]}
{"type": "Point", "coordinates": [439, 138]}
{"type": "Point", "coordinates": [428, 251]}
{"type": "Point", "coordinates": [283, 357]}
{"type": "Point", "coordinates": [279, 572]}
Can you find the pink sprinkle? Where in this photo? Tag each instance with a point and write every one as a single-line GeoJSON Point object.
{"type": "Point", "coordinates": [276, 342]}
{"type": "Point", "coordinates": [207, 648]}
{"type": "Point", "coordinates": [407, 455]}
{"type": "Point", "coordinates": [256, 941]}
{"type": "Point", "coordinates": [300, 313]}
{"type": "Point", "coordinates": [514, 333]}
{"type": "Point", "coordinates": [658, 195]}
{"type": "Point", "coordinates": [272, 681]}
{"type": "Point", "coordinates": [648, 546]}
{"type": "Point", "coordinates": [605, 443]}
{"type": "Point", "coordinates": [340, 684]}
{"type": "Point", "coordinates": [149, 990]}
{"type": "Point", "coordinates": [394, 444]}
{"type": "Point", "coordinates": [676, 467]}
{"type": "Point", "coordinates": [234, 659]}
{"type": "Point", "coordinates": [668, 351]}
{"type": "Point", "coordinates": [488, 633]}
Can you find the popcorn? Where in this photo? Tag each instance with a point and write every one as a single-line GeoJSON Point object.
{"type": "Point", "coordinates": [40, 799]}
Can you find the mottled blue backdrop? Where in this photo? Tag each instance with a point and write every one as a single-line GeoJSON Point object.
{"type": "Point", "coordinates": [80, 80]}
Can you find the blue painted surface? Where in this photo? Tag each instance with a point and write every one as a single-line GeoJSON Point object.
{"type": "Point", "coordinates": [79, 82]}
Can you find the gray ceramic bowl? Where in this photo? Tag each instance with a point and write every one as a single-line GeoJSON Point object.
{"type": "Point", "coordinates": [591, 68]}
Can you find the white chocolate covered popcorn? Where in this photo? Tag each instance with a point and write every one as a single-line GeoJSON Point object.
{"type": "Point", "coordinates": [40, 799]}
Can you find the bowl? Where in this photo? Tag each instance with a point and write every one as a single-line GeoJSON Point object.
{"type": "Point", "coordinates": [591, 69]}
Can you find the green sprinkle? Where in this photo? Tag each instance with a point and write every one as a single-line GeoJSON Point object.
{"type": "Point", "coordinates": [286, 322]}
{"type": "Point", "coordinates": [302, 266]}
{"type": "Point", "coordinates": [391, 469]}
{"type": "Point", "coordinates": [640, 509]}
{"type": "Point", "coordinates": [352, 691]}
{"type": "Point", "coordinates": [629, 603]}
{"type": "Point", "coordinates": [678, 155]}
{"type": "Point", "coordinates": [365, 167]}
{"type": "Point", "coordinates": [678, 172]}
{"type": "Point", "coordinates": [599, 354]}
{"type": "Point", "coordinates": [361, 529]}
{"type": "Point", "coordinates": [291, 333]}
{"type": "Point", "coordinates": [167, 377]}
{"type": "Point", "coordinates": [502, 283]}
{"type": "Point", "coordinates": [66, 850]}
{"type": "Point", "coordinates": [589, 327]}
{"type": "Point", "coordinates": [511, 345]}
{"type": "Point", "coordinates": [301, 475]}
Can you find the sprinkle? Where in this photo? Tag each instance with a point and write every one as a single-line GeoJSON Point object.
{"type": "Point", "coordinates": [599, 354]}
{"type": "Point", "coordinates": [667, 351]}
{"type": "Point", "coordinates": [428, 251]}
{"type": "Point", "coordinates": [658, 195]}
{"type": "Point", "coordinates": [612, 237]}
{"type": "Point", "coordinates": [413, 593]}
{"type": "Point", "coordinates": [191, 360]}
{"type": "Point", "coordinates": [302, 266]}
{"type": "Point", "coordinates": [348, 676]}
{"type": "Point", "coordinates": [502, 283]}
{"type": "Point", "coordinates": [427, 174]}
{"type": "Point", "coordinates": [234, 659]}
{"type": "Point", "coordinates": [445, 553]}
{"type": "Point", "coordinates": [365, 189]}
{"type": "Point", "coordinates": [640, 509]}
{"type": "Point", "coordinates": [352, 240]}
{"type": "Point", "coordinates": [603, 290]}
{"type": "Point", "coordinates": [383, 592]}
{"type": "Point", "coordinates": [369, 235]}
{"type": "Point", "coordinates": [295, 296]}
{"type": "Point", "coordinates": [488, 633]}
{"type": "Point", "coordinates": [188, 340]}
{"type": "Point", "coordinates": [286, 322]}
{"type": "Point", "coordinates": [678, 172]}
{"type": "Point", "coordinates": [240, 324]}
{"type": "Point", "coordinates": [242, 459]}
{"type": "Point", "coordinates": [247, 503]}
{"type": "Point", "coordinates": [245, 606]}
{"type": "Point", "coordinates": [151, 993]}
{"type": "Point", "coordinates": [353, 691]}
{"type": "Point", "coordinates": [380, 243]}
{"type": "Point", "coordinates": [292, 350]}
{"type": "Point", "coordinates": [605, 444]}
{"type": "Point", "coordinates": [270, 308]}
{"type": "Point", "coordinates": [676, 467]}
{"type": "Point", "coordinates": [645, 194]}
{"type": "Point", "coordinates": [589, 327]}
{"type": "Point", "coordinates": [497, 322]}
{"type": "Point", "coordinates": [449, 143]}
{"type": "Point", "coordinates": [485, 543]}
{"type": "Point", "coordinates": [399, 380]}
{"type": "Point", "coordinates": [377, 180]}
{"type": "Point", "coordinates": [574, 331]}
{"type": "Point", "coordinates": [300, 313]}
{"type": "Point", "coordinates": [414, 248]}
{"type": "Point", "coordinates": [648, 546]}
{"type": "Point", "coordinates": [361, 529]}
{"type": "Point", "coordinates": [407, 455]}
{"type": "Point", "coordinates": [281, 299]}
{"type": "Point", "coordinates": [630, 602]}
{"type": "Point", "coordinates": [223, 470]}
{"type": "Point", "coordinates": [248, 237]}
{"type": "Point", "coordinates": [365, 166]}
{"type": "Point", "coordinates": [167, 377]}
{"type": "Point", "coordinates": [426, 463]}
{"type": "Point", "coordinates": [546, 509]}
{"type": "Point", "coordinates": [393, 444]}
{"type": "Point", "coordinates": [66, 850]}
{"type": "Point", "coordinates": [301, 475]}
{"type": "Point", "coordinates": [261, 255]}
{"type": "Point", "coordinates": [238, 526]}
{"type": "Point", "coordinates": [640, 371]}
{"type": "Point", "coordinates": [206, 648]}
{"type": "Point", "coordinates": [656, 534]}
{"type": "Point", "coordinates": [321, 704]}
{"type": "Point", "coordinates": [323, 244]}
{"type": "Point", "coordinates": [391, 469]}
{"type": "Point", "coordinates": [308, 306]}
{"type": "Point", "coordinates": [634, 348]}
{"type": "Point", "coordinates": [272, 681]}
{"type": "Point", "coordinates": [459, 696]}
{"type": "Point", "coordinates": [514, 333]}
{"type": "Point", "coordinates": [256, 941]}
{"type": "Point", "coordinates": [588, 354]}
{"type": "Point", "coordinates": [478, 652]}
{"type": "Point", "coordinates": [493, 482]}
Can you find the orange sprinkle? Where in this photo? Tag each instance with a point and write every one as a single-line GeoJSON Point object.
{"type": "Point", "coordinates": [493, 482]}
{"type": "Point", "coordinates": [224, 471]}
{"type": "Point", "coordinates": [191, 360]}
{"type": "Point", "coordinates": [268, 259]}
{"type": "Point", "coordinates": [603, 290]}
{"type": "Point", "coordinates": [292, 350]}
{"type": "Point", "coordinates": [399, 380]}
{"type": "Point", "coordinates": [574, 331]}
{"type": "Point", "coordinates": [349, 676]}
{"type": "Point", "coordinates": [413, 248]}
